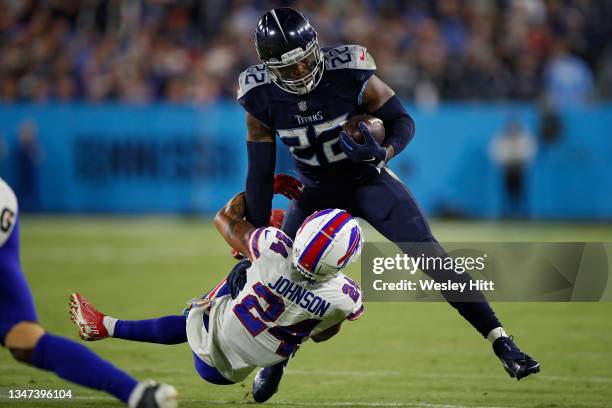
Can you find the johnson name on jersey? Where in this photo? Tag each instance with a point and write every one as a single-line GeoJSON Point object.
{"type": "Point", "coordinates": [310, 124]}
{"type": "Point", "coordinates": [275, 312]}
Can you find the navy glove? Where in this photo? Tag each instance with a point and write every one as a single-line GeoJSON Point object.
{"type": "Point", "coordinates": [369, 152]}
{"type": "Point", "coordinates": [237, 277]}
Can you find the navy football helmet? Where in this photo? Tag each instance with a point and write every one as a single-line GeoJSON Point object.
{"type": "Point", "coordinates": [288, 46]}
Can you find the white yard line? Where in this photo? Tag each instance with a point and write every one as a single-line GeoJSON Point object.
{"type": "Point", "coordinates": [332, 373]}
{"type": "Point", "coordinates": [378, 404]}
{"type": "Point", "coordinates": [365, 374]}
{"type": "Point", "coordinates": [295, 403]}
{"type": "Point", "coordinates": [540, 377]}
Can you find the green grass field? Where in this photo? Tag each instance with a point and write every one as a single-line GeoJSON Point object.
{"type": "Point", "coordinates": [397, 354]}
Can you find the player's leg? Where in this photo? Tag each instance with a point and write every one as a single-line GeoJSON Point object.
{"type": "Point", "coordinates": [30, 344]}
{"type": "Point", "coordinates": [267, 380]}
{"type": "Point", "coordinates": [209, 373]}
{"type": "Point", "coordinates": [95, 325]}
{"type": "Point", "coordinates": [387, 204]}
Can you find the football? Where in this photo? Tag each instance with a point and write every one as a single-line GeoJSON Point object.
{"type": "Point", "coordinates": [375, 125]}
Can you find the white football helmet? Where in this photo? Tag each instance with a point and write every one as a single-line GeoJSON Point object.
{"type": "Point", "coordinates": [325, 243]}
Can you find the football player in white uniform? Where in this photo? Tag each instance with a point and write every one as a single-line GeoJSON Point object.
{"type": "Point", "coordinates": [293, 291]}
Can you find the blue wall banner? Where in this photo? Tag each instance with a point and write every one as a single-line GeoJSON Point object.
{"type": "Point", "coordinates": [167, 158]}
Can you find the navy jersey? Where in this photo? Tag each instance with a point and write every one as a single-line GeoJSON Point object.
{"type": "Point", "coordinates": [310, 124]}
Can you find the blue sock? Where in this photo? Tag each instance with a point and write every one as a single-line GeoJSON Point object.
{"type": "Point", "coordinates": [165, 330]}
{"type": "Point", "coordinates": [74, 362]}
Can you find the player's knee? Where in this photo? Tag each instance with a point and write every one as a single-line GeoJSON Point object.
{"type": "Point", "coordinates": [23, 336]}
{"type": "Point", "coordinates": [23, 355]}
{"type": "Point", "coordinates": [21, 340]}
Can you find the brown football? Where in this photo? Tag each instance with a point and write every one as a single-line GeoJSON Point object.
{"type": "Point", "coordinates": [375, 125]}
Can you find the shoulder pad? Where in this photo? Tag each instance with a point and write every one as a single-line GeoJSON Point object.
{"type": "Point", "coordinates": [8, 211]}
{"type": "Point", "coordinates": [348, 57]}
{"type": "Point", "coordinates": [252, 77]}
{"type": "Point", "coordinates": [269, 241]}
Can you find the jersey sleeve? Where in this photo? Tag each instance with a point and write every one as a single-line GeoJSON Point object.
{"type": "Point", "coordinates": [8, 211]}
{"type": "Point", "coordinates": [351, 302]}
{"type": "Point", "coordinates": [356, 60]}
{"type": "Point", "coordinates": [251, 93]}
{"type": "Point", "coordinates": [268, 242]}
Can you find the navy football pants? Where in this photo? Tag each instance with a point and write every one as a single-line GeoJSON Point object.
{"type": "Point", "coordinates": [388, 205]}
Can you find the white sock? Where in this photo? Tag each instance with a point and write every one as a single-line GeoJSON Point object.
{"type": "Point", "coordinates": [109, 324]}
{"type": "Point", "coordinates": [493, 334]}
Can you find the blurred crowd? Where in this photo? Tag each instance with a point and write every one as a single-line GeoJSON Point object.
{"type": "Point", "coordinates": [188, 51]}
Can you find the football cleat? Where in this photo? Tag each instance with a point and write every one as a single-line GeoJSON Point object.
{"type": "Point", "coordinates": [516, 363]}
{"type": "Point", "coordinates": [89, 320]}
{"type": "Point", "coordinates": [266, 381]}
{"type": "Point", "coordinates": [149, 394]}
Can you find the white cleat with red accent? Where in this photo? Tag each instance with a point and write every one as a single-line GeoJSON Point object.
{"type": "Point", "coordinates": [89, 320]}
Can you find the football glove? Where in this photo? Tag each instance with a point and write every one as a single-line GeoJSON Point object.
{"type": "Point", "coordinates": [369, 152]}
{"type": "Point", "coordinates": [288, 186]}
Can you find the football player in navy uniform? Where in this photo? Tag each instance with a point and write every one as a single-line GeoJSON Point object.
{"type": "Point", "coordinates": [304, 93]}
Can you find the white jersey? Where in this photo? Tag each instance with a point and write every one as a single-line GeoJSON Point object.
{"type": "Point", "coordinates": [275, 311]}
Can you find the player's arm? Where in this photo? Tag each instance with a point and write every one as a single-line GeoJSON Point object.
{"type": "Point", "coordinates": [351, 306]}
{"type": "Point", "coordinates": [327, 334]}
{"type": "Point", "coordinates": [230, 222]}
{"type": "Point", "coordinates": [261, 151]}
{"type": "Point", "coordinates": [380, 101]}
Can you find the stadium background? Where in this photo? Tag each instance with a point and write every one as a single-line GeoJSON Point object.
{"type": "Point", "coordinates": [111, 109]}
